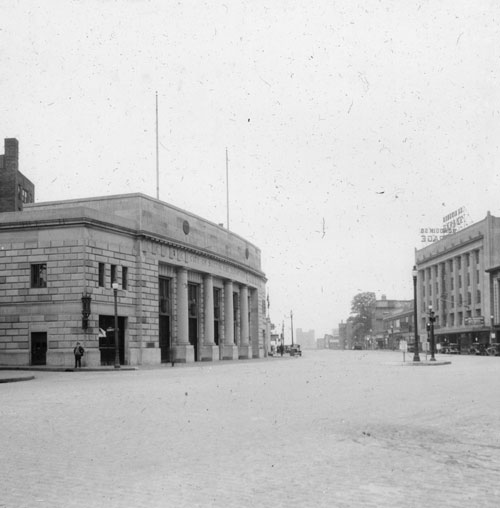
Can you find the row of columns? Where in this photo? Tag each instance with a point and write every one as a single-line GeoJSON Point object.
{"type": "Point", "coordinates": [459, 273]}
{"type": "Point", "coordinates": [209, 350]}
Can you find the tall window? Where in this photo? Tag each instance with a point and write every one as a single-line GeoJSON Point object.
{"type": "Point", "coordinates": [113, 274]}
{"type": "Point", "coordinates": [193, 300]}
{"type": "Point", "coordinates": [235, 314]}
{"type": "Point", "coordinates": [468, 279]}
{"type": "Point", "coordinates": [478, 296]}
{"type": "Point", "coordinates": [217, 314]}
{"type": "Point", "coordinates": [124, 277]}
{"type": "Point", "coordinates": [164, 295]}
{"type": "Point", "coordinates": [459, 263]}
{"type": "Point", "coordinates": [452, 300]}
{"type": "Point", "coordinates": [476, 253]}
{"type": "Point", "coordinates": [469, 298]}
{"type": "Point", "coordinates": [101, 275]}
{"type": "Point", "coordinates": [39, 275]}
{"type": "Point", "coordinates": [459, 281]}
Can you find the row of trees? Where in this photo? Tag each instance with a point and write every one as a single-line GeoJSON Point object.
{"type": "Point", "coordinates": [362, 312]}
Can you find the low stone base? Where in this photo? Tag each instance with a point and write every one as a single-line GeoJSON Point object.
{"type": "Point", "coordinates": [144, 356]}
{"type": "Point", "coordinates": [15, 358]}
{"type": "Point", "coordinates": [183, 353]}
{"type": "Point", "coordinates": [209, 353]}
{"type": "Point", "coordinates": [230, 352]}
{"type": "Point", "coordinates": [259, 353]}
{"type": "Point", "coordinates": [245, 352]}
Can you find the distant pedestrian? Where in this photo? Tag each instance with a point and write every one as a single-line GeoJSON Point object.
{"type": "Point", "coordinates": [78, 352]}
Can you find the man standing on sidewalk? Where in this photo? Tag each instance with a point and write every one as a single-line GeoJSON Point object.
{"type": "Point", "coordinates": [78, 352]}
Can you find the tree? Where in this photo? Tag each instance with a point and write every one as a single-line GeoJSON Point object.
{"type": "Point", "coordinates": [362, 311]}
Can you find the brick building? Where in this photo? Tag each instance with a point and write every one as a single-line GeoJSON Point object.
{"type": "Point", "coordinates": [188, 289]}
{"type": "Point", "coordinates": [15, 188]}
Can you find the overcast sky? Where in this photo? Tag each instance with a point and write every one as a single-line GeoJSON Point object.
{"type": "Point", "coordinates": [349, 125]}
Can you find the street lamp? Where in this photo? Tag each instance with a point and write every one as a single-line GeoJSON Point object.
{"type": "Point", "coordinates": [492, 331]}
{"type": "Point", "coordinates": [416, 356]}
{"type": "Point", "coordinates": [114, 285]}
{"type": "Point", "coordinates": [432, 319]}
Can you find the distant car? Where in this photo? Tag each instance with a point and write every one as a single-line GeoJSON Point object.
{"type": "Point", "coordinates": [295, 350]}
{"type": "Point", "coordinates": [357, 346]}
{"type": "Point", "coordinates": [478, 349]}
{"type": "Point", "coordinates": [450, 349]}
{"type": "Point", "coordinates": [493, 350]}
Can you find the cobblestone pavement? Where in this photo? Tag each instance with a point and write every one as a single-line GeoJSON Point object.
{"type": "Point", "coordinates": [330, 429]}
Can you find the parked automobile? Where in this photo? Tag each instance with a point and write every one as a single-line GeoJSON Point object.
{"type": "Point", "coordinates": [493, 349]}
{"type": "Point", "coordinates": [357, 346]}
{"type": "Point", "coordinates": [478, 348]}
{"type": "Point", "coordinates": [295, 350]}
{"type": "Point", "coordinates": [450, 349]}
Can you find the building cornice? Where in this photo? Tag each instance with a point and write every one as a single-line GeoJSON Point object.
{"type": "Point", "coordinates": [448, 251]}
{"type": "Point", "coordinates": [83, 221]}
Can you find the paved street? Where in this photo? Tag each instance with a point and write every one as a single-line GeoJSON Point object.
{"type": "Point", "coordinates": [332, 429]}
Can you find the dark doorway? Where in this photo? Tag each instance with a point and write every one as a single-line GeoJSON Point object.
{"type": "Point", "coordinates": [107, 341]}
{"type": "Point", "coordinates": [165, 339]}
{"type": "Point", "coordinates": [39, 348]}
{"type": "Point", "coordinates": [193, 318]}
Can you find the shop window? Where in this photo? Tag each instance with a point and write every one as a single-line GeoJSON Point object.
{"type": "Point", "coordinates": [39, 275]}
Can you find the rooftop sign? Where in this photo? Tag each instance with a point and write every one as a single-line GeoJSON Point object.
{"type": "Point", "coordinates": [452, 222]}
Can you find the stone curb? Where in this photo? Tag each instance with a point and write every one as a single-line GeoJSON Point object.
{"type": "Point", "coordinates": [16, 379]}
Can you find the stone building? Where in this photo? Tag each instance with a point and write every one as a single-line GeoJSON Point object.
{"type": "Point", "coordinates": [459, 277]}
{"type": "Point", "coordinates": [188, 289]}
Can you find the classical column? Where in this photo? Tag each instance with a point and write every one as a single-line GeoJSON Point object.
{"type": "Point", "coordinates": [183, 350]}
{"type": "Point", "coordinates": [209, 351]}
{"type": "Point", "coordinates": [229, 350]}
{"type": "Point", "coordinates": [245, 349]}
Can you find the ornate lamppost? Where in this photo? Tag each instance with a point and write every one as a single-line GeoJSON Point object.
{"type": "Point", "coordinates": [432, 319]}
{"type": "Point", "coordinates": [416, 356]}
{"type": "Point", "coordinates": [117, 345]}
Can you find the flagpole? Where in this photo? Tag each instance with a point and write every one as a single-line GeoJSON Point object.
{"type": "Point", "coordinates": [157, 154]}
{"type": "Point", "coordinates": [227, 188]}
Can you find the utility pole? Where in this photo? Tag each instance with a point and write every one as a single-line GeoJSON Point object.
{"type": "Point", "coordinates": [291, 324]}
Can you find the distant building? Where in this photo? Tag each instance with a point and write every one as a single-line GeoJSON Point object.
{"type": "Point", "coordinates": [399, 327]}
{"type": "Point", "coordinates": [459, 276]}
{"type": "Point", "coordinates": [305, 339]}
{"type": "Point", "coordinates": [384, 308]}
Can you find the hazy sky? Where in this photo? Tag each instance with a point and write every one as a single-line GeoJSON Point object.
{"type": "Point", "coordinates": [349, 125]}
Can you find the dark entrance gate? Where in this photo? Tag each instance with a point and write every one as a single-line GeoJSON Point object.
{"type": "Point", "coordinates": [165, 339]}
{"type": "Point", "coordinates": [107, 339]}
{"type": "Point", "coordinates": [193, 318]}
{"type": "Point", "coordinates": [39, 348]}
